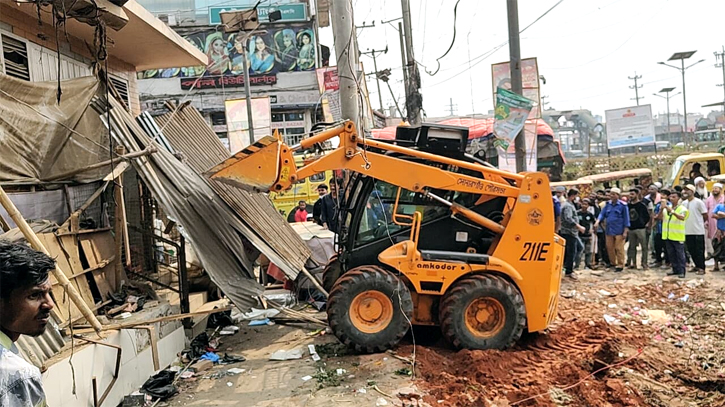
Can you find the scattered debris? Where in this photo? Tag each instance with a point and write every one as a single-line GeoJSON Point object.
{"type": "Point", "coordinates": [306, 378]}
{"type": "Point", "coordinates": [286, 355]}
{"type": "Point", "coordinates": [202, 365]}
{"type": "Point", "coordinates": [332, 349]}
{"type": "Point", "coordinates": [229, 330]}
{"type": "Point", "coordinates": [404, 372]}
{"type": "Point", "coordinates": [381, 402]}
{"type": "Point", "coordinates": [161, 385]}
{"type": "Point", "coordinates": [261, 322]}
{"type": "Point", "coordinates": [236, 370]}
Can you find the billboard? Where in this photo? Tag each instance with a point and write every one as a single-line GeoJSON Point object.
{"type": "Point", "coordinates": [501, 74]}
{"type": "Point", "coordinates": [630, 126]}
{"type": "Point", "coordinates": [329, 84]}
{"type": "Point", "coordinates": [289, 48]}
{"type": "Point", "coordinates": [238, 124]}
{"type": "Point", "coordinates": [289, 12]}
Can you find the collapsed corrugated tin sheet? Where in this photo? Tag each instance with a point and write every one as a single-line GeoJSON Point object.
{"type": "Point", "coordinates": [188, 133]}
{"type": "Point", "coordinates": [212, 227]}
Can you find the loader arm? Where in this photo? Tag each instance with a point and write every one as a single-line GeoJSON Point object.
{"type": "Point", "coordinates": [269, 165]}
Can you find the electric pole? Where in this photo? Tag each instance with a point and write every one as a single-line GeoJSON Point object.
{"type": "Point", "coordinates": [636, 87]}
{"type": "Point", "coordinates": [544, 102]}
{"type": "Point", "coordinates": [516, 85]}
{"type": "Point", "coordinates": [377, 76]}
{"type": "Point", "coordinates": [452, 108]}
{"type": "Point", "coordinates": [721, 57]}
{"type": "Point", "coordinates": [413, 98]}
{"type": "Point", "coordinates": [343, 28]}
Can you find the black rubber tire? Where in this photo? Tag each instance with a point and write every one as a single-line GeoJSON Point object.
{"type": "Point", "coordinates": [457, 299]}
{"type": "Point", "coordinates": [331, 273]}
{"type": "Point", "coordinates": [356, 281]}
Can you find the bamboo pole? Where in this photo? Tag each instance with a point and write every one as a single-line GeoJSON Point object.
{"type": "Point", "coordinates": [133, 325]}
{"type": "Point", "coordinates": [57, 272]}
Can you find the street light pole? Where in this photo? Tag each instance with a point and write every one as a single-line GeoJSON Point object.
{"type": "Point", "coordinates": [667, 96]}
{"type": "Point", "coordinates": [682, 56]}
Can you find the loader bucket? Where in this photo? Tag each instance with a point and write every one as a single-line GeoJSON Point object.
{"type": "Point", "coordinates": [256, 168]}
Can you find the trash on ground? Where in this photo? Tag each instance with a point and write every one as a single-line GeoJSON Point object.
{"type": "Point", "coordinates": [286, 354]}
{"type": "Point", "coordinates": [229, 330]}
{"type": "Point", "coordinates": [260, 314]}
{"type": "Point", "coordinates": [161, 385]}
{"type": "Point", "coordinates": [236, 370]}
{"type": "Point", "coordinates": [658, 316]}
{"type": "Point", "coordinates": [211, 356]}
{"type": "Point", "coordinates": [306, 378]}
{"type": "Point", "coordinates": [381, 402]}
{"type": "Point", "coordinates": [202, 366]}
{"type": "Point", "coordinates": [261, 322]}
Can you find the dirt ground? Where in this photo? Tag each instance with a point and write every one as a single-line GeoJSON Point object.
{"type": "Point", "coordinates": [628, 339]}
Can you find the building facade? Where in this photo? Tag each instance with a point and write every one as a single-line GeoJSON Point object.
{"type": "Point", "coordinates": [30, 48]}
{"type": "Point", "coordinates": [282, 60]}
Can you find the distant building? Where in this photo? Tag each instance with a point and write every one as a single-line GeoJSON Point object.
{"type": "Point", "coordinates": [284, 57]}
{"type": "Point", "coordinates": [29, 50]}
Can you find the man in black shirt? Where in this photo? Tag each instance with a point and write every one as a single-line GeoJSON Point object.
{"type": "Point", "coordinates": [639, 218]}
{"type": "Point", "coordinates": [329, 213]}
{"type": "Point", "coordinates": [586, 220]}
{"type": "Point", "coordinates": [317, 208]}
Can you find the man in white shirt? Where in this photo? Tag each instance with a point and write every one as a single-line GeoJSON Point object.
{"type": "Point", "coordinates": [695, 228]}
{"type": "Point", "coordinates": [25, 305]}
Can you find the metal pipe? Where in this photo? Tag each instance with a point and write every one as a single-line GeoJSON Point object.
{"type": "Point", "coordinates": [440, 159]}
{"type": "Point", "coordinates": [97, 402]}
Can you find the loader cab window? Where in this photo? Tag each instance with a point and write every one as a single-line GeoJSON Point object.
{"type": "Point", "coordinates": [377, 218]}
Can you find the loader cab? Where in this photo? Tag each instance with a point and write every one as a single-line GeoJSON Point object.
{"type": "Point", "coordinates": [368, 228]}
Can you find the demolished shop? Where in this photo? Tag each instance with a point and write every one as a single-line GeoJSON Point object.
{"type": "Point", "coordinates": [118, 200]}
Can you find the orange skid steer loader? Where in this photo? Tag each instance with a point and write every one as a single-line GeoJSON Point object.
{"type": "Point", "coordinates": [460, 244]}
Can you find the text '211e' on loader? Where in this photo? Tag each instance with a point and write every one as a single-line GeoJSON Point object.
{"type": "Point", "coordinates": [429, 236]}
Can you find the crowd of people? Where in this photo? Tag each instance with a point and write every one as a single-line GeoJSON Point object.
{"type": "Point", "coordinates": [677, 228]}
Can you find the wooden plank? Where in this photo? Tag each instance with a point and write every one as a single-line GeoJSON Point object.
{"type": "Point", "coordinates": [99, 247]}
{"type": "Point", "coordinates": [65, 306]}
{"type": "Point", "coordinates": [69, 245]}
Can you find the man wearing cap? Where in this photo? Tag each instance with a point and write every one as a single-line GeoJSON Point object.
{"type": "Point", "coordinates": [673, 233]}
{"type": "Point", "coordinates": [712, 201]}
{"type": "Point", "coordinates": [695, 228]}
{"type": "Point", "coordinates": [570, 230]}
{"type": "Point", "coordinates": [615, 215]}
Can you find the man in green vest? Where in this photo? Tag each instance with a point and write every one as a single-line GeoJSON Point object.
{"type": "Point", "coordinates": [673, 233]}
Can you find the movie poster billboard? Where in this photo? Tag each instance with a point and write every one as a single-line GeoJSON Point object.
{"type": "Point", "coordinates": [289, 48]}
{"type": "Point", "coordinates": [238, 123]}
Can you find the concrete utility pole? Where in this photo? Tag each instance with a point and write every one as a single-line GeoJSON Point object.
{"type": "Point", "coordinates": [452, 107]}
{"type": "Point", "coordinates": [516, 85]}
{"type": "Point", "coordinates": [377, 76]}
{"type": "Point", "coordinates": [343, 29]}
{"type": "Point", "coordinates": [636, 87]}
{"type": "Point", "coordinates": [405, 61]}
{"type": "Point", "coordinates": [413, 98]}
{"type": "Point", "coordinates": [247, 90]}
{"type": "Point", "coordinates": [721, 57]}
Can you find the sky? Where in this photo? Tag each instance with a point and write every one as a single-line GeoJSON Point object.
{"type": "Point", "coordinates": [586, 50]}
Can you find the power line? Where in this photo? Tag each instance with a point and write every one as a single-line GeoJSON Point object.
{"type": "Point", "coordinates": [490, 52]}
